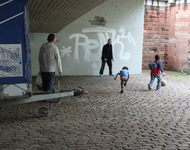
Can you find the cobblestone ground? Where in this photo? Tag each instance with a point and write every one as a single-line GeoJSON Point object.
{"type": "Point", "coordinates": [103, 119]}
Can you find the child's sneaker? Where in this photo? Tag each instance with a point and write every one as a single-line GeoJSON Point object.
{"type": "Point", "coordinates": [158, 89]}
{"type": "Point", "coordinates": [122, 91]}
{"type": "Point", "coordinates": [101, 75]}
{"type": "Point", "coordinates": [111, 74]}
{"type": "Point", "coordinates": [149, 86]}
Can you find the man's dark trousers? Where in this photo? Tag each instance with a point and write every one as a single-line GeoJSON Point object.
{"type": "Point", "coordinates": [47, 80]}
{"type": "Point", "coordinates": [109, 62]}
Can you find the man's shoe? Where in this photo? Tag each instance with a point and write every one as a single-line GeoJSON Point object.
{"type": "Point", "coordinates": [149, 86]}
{"type": "Point", "coordinates": [101, 75]}
{"type": "Point", "coordinates": [158, 89]}
{"type": "Point", "coordinates": [112, 74]}
{"type": "Point", "coordinates": [122, 91]}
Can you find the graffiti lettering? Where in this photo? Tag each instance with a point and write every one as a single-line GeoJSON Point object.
{"type": "Point", "coordinates": [93, 47]}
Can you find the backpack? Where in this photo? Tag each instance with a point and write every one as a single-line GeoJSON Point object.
{"type": "Point", "coordinates": [153, 66]}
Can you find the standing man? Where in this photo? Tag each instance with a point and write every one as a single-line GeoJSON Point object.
{"type": "Point", "coordinates": [107, 56]}
{"type": "Point", "coordinates": [49, 58]}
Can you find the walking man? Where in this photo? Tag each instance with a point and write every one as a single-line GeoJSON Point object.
{"type": "Point", "coordinates": [107, 57]}
{"type": "Point", "coordinates": [49, 58]}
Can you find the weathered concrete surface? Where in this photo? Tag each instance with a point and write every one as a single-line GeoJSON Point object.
{"type": "Point", "coordinates": [103, 119]}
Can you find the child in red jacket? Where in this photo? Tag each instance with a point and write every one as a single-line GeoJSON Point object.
{"type": "Point", "coordinates": [156, 73]}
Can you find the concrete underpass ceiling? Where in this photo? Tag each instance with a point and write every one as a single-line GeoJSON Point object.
{"type": "Point", "coordinates": [53, 15]}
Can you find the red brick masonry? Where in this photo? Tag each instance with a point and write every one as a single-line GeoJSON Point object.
{"type": "Point", "coordinates": [166, 33]}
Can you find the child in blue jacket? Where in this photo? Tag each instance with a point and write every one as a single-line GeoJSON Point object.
{"type": "Point", "coordinates": [124, 77]}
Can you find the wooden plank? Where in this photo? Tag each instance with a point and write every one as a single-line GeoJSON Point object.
{"type": "Point", "coordinates": [50, 13]}
{"type": "Point", "coordinates": [33, 9]}
{"type": "Point", "coordinates": [55, 17]}
{"type": "Point", "coordinates": [38, 12]}
{"type": "Point", "coordinates": [74, 11]}
{"type": "Point", "coordinates": [42, 15]}
{"type": "Point", "coordinates": [65, 12]}
{"type": "Point", "coordinates": [85, 8]}
{"type": "Point", "coordinates": [37, 15]}
{"type": "Point", "coordinates": [29, 3]}
{"type": "Point", "coordinates": [50, 17]}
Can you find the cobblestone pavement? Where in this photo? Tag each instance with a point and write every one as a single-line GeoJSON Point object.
{"type": "Point", "coordinates": [103, 119]}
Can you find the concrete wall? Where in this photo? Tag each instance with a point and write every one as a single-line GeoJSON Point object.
{"type": "Point", "coordinates": [81, 42]}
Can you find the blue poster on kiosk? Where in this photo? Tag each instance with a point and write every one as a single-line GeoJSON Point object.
{"type": "Point", "coordinates": [15, 55]}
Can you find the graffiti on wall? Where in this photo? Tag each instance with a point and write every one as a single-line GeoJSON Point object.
{"type": "Point", "coordinates": [98, 21]}
{"type": "Point", "coordinates": [172, 40]}
{"type": "Point", "coordinates": [11, 60]}
{"type": "Point", "coordinates": [66, 51]}
{"type": "Point", "coordinates": [92, 48]}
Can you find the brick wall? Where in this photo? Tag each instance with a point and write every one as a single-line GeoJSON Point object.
{"type": "Point", "coordinates": [179, 36]}
{"type": "Point", "coordinates": [156, 34]}
{"type": "Point", "coordinates": [166, 33]}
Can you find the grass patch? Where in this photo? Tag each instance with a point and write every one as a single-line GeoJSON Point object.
{"type": "Point", "coordinates": [148, 71]}
{"type": "Point", "coordinates": [173, 75]}
{"type": "Point", "coordinates": [178, 75]}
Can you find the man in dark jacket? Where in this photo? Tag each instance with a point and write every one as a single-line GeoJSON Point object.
{"type": "Point", "coordinates": [107, 56]}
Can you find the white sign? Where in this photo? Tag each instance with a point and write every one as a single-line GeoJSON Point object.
{"type": "Point", "coordinates": [11, 60]}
